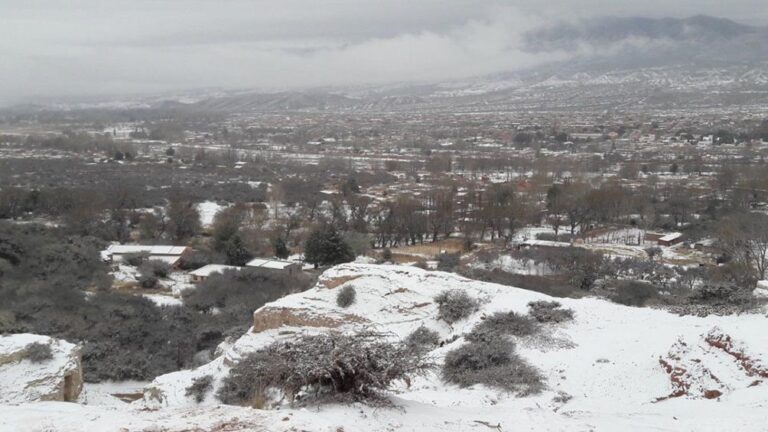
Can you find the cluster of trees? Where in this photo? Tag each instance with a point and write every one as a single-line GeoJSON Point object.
{"type": "Point", "coordinates": [54, 283]}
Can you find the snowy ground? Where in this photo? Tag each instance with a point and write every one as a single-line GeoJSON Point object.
{"type": "Point", "coordinates": [609, 360]}
{"type": "Point", "coordinates": [208, 210]}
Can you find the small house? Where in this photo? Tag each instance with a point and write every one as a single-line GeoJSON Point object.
{"type": "Point", "coordinates": [275, 265]}
{"type": "Point", "coordinates": [201, 274]}
{"type": "Point", "coordinates": [670, 239]}
{"type": "Point", "coordinates": [169, 254]}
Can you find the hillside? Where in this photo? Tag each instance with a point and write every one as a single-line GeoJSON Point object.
{"type": "Point", "coordinates": [611, 368]}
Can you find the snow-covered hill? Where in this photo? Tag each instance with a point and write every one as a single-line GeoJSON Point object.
{"type": "Point", "coordinates": [611, 368]}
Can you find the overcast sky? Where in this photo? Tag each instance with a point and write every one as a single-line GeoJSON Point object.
{"type": "Point", "coordinates": [60, 48]}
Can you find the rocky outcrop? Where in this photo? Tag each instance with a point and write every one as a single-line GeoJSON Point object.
{"type": "Point", "coordinates": [25, 377]}
{"type": "Point", "coordinates": [268, 318]}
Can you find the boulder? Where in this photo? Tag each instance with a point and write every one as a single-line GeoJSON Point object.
{"type": "Point", "coordinates": [26, 377]}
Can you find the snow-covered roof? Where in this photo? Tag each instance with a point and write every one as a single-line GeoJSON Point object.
{"type": "Point", "coordinates": [269, 263]}
{"type": "Point", "coordinates": [671, 237]}
{"type": "Point", "coordinates": [206, 270]}
{"type": "Point", "coordinates": [150, 249]}
{"type": "Point", "coordinates": [545, 243]}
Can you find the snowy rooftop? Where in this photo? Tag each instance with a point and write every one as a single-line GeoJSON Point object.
{"type": "Point", "coordinates": [671, 237]}
{"type": "Point", "coordinates": [207, 270]}
{"type": "Point", "coordinates": [150, 249]}
{"type": "Point", "coordinates": [269, 263]}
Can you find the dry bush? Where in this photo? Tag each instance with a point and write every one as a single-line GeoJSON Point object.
{"type": "Point", "coordinates": [549, 312]}
{"type": "Point", "coordinates": [500, 325]}
{"type": "Point", "coordinates": [157, 268]}
{"type": "Point", "coordinates": [322, 367]}
{"type": "Point", "coordinates": [634, 293]}
{"type": "Point", "coordinates": [454, 305]}
{"type": "Point", "coordinates": [200, 387]}
{"type": "Point", "coordinates": [135, 259]}
{"type": "Point", "coordinates": [422, 339]}
{"type": "Point", "coordinates": [493, 364]}
{"type": "Point", "coordinates": [151, 270]}
{"type": "Point", "coordinates": [346, 296]}
{"type": "Point", "coordinates": [38, 352]}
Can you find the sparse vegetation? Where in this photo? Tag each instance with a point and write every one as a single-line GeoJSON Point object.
{"type": "Point", "coordinates": [634, 293]}
{"type": "Point", "coordinates": [454, 305]}
{"type": "Point", "coordinates": [200, 388]}
{"type": "Point", "coordinates": [422, 338]}
{"type": "Point", "coordinates": [346, 296]}
{"type": "Point", "coordinates": [549, 312]}
{"type": "Point", "coordinates": [448, 261]}
{"type": "Point", "coordinates": [329, 365]}
{"type": "Point", "coordinates": [135, 259]}
{"type": "Point", "coordinates": [501, 324]}
{"type": "Point", "coordinates": [38, 352]}
{"type": "Point", "coordinates": [494, 364]}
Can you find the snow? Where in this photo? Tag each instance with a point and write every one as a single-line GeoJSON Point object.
{"type": "Point", "coordinates": [163, 300]}
{"type": "Point", "coordinates": [510, 264]}
{"type": "Point", "coordinates": [273, 264]}
{"type": "Point", "coordinates": [671, 237]}
{"type": "Point", "coordinates": [208, 210]}
{"type": "Point", "coordinates": [21, 380]}
{"type": "Point", "coordinates": [607, 360]}
{"type": "Point", "coordinates": [207, 270]}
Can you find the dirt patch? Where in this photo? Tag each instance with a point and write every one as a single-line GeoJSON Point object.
{"type": "Point", "coordinates": [680, 386]}
{"type": "Point", "coordinates": [335, 282]}
{"type": "Point", "coordinates": [397, 291]}
{"type": "Point", "coordinates": [725, 343]}
{"type": "Point", "coordinates": [271, 318]}
{"type": "Point", "coordinates": [452, 245]}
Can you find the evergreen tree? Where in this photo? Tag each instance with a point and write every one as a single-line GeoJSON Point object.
{"type": "Point", "coordinates": [281, 249]}
{"type": "Point", "coordinates": [326, 246]}
{"type": "Point", "coordinates": [236, 252]}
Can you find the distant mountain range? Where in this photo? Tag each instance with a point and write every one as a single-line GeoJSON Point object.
{"type": "Point", "coordinates": [615, 63]}
{"type": "Point", "coordinates": [610, 43]}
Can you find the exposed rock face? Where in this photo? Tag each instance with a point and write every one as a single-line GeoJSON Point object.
{"type": "Point", "coordinates": [268, 318]}
{"type": "Point", "coordinates": [58, 378]}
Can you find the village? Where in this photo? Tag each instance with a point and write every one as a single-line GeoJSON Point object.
{"type": "Point", "coordinates": [189, 239]}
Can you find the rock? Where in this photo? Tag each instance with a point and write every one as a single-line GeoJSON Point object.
{"type": "Point", "coordinates": [268, 318]}
{"type": "Point", "coordinates": [761, 291]}
{"type": "Point", "coordinates": [58, 378]}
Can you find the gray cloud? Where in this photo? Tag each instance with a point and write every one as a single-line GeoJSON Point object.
{"type": "Point", "coordinates": [91, 47]}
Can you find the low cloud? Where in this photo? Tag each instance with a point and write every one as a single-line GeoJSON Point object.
{"type": "Point", "coordinates": [97, 48]}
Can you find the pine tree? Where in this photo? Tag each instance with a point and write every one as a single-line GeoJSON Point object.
{"type": "Point", "coordinates": [236, 252]}
{"type": "Point", "coordinates": [281, 249]}
{"type": "Point", "coordinates": [326, 246]}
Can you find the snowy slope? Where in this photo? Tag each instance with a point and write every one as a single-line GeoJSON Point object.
{"type": "Point", "coordinates": [22, 380]}
{"type": "Point", "coordinates": [619, 366]}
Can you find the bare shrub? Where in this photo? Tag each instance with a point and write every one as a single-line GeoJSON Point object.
{"type": "Point", "coordinates": [448, 261]}
{"type": "Point", "coordinates": [200, 387]}
{"type": "Point", "coordinates": [135, 259]}
{"type": "Point", "coordinates": [634, 293]}
{"type": "Point", "coordinates": [152, 270]}
{"type": "Point", "coordinates": [718, 299]}
{"type": "Point", "coordinates": [501, 324]}
{"type": "Point", "coordinates": [386, 255]}
{"type": "Point", "coordinates": [549, 312]}
{"type": "Point", "coordinates": [38, 352]}
{"type": "Point", "coordinates": [492, 364]}
{"type": "Point", "coordinates": [326, 365]}
{"type": "Point", "coordinates": [346, 296]}
{"type": "Point", "coordinates": [157, 268]}
{"type": "Point", "coordinates": [148, 280]}
{"type": "Point", "coordinates": [454, 305]}
{"type": "Point", "coordinates": [422, 339]}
